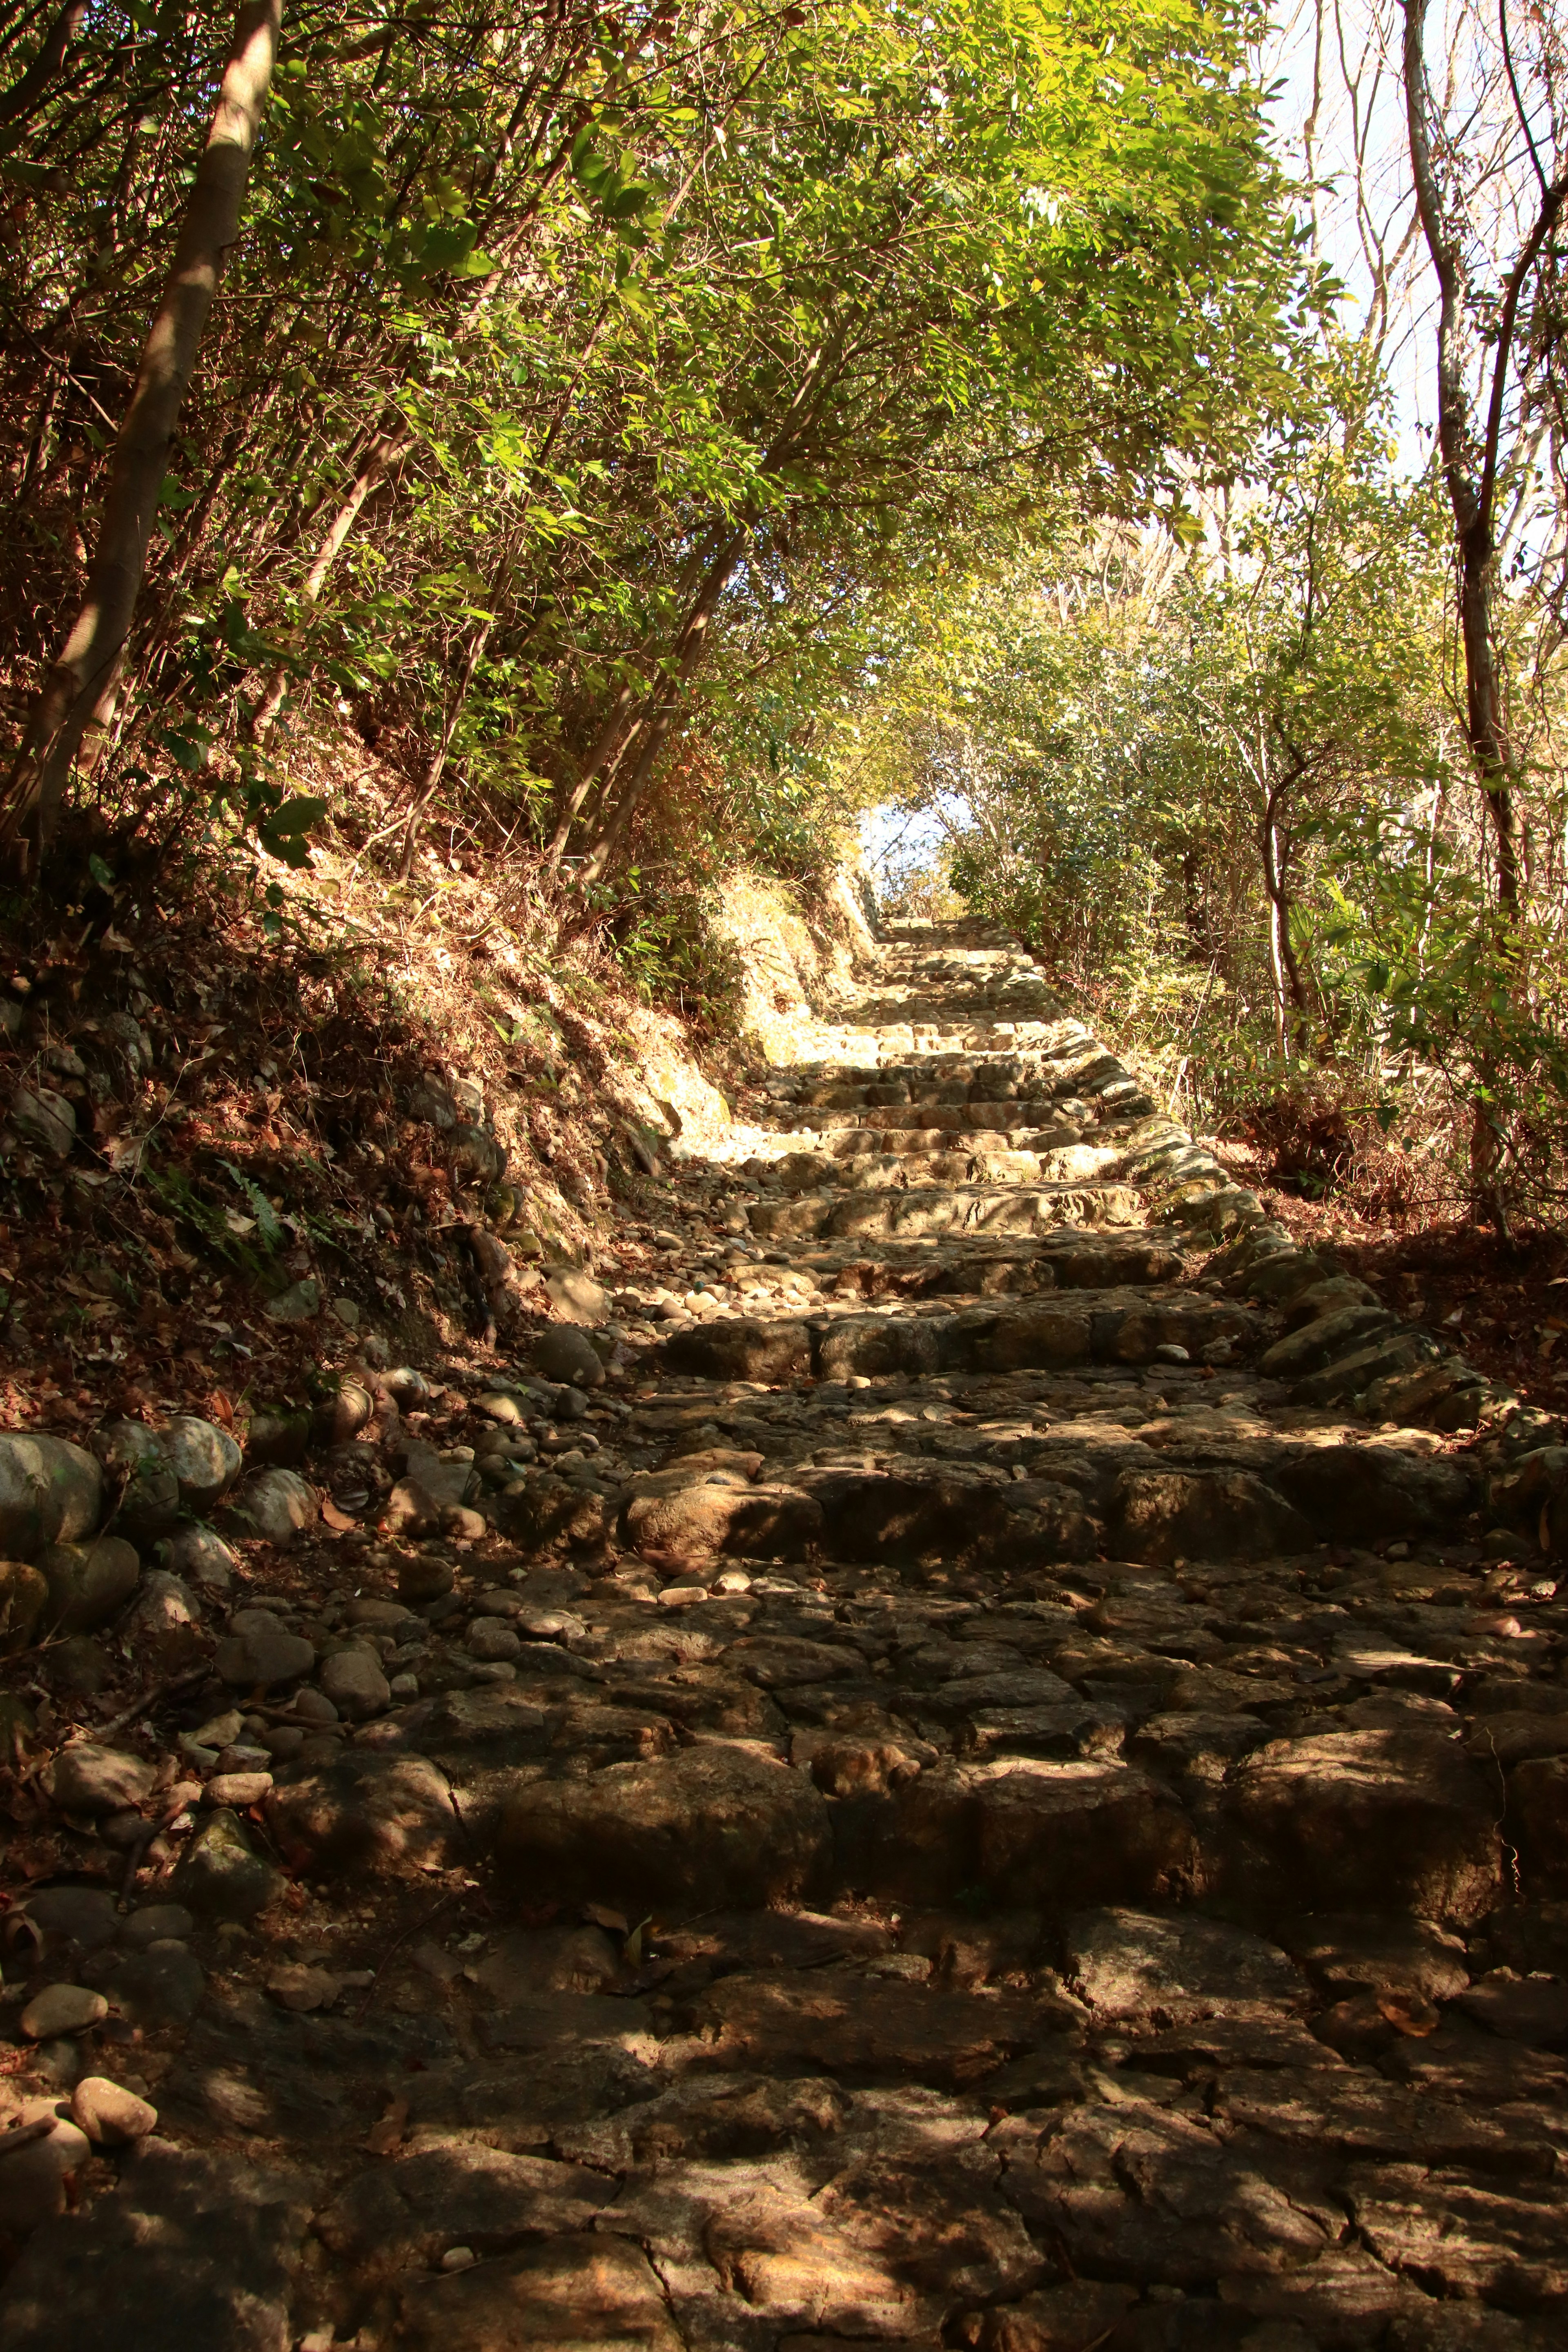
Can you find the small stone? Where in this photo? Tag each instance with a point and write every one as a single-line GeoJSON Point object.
{"type": "Point", "coordinates": [347, 1312]}
{"type": "Point", "coordinates": [81, 1667]}
{"type": "Point", "coordinates": [562, 1352]}
{"type": "Point", "coordinates": [489, 1638]}
{"type": "Point", "coordinates": [260, 1657]}
{"type": "Point", "coordinates": [411, 1510]}
{"type": "Point", "coordinates": [458, 2258]}
{"type": "Point", "coordinates": [85, 1778]}
{"type": "Point", "coordinates": [204, 1459]}
{"type": "Point", "coordinates": [575, 1295]}
{"type": "Point", "coordinates": [351, 1410]}
{"type": "Point", "coordinates": [83, 1916]}
{"type": "Point", "coordinates": [405, 1688]}
{"type": "Point", "coordinates": [422, 1577]}
{"type": "Point", "coordinates": [220, 1875]}
{"type": "Point", "coordinates": [62, 2009]}
{"type": "Point", "coordinates": [236, 1789]}
{"type": "Point", "coordinates": [381, 1616]}
{"type": "Point", "coordinates": [302, 1988]}
{"type": "Point", "coordinates": [155, 1923]}
{"type": "Point", "coordinates": [278, 1506]}
{"type": "Point", "coordinates": [297, 1304]}
{"type": "Point", "coordinates": [45, 1119]}
{"type": "Point", "coordinates": [220, 1730]}
{"type": "Point", "coordinates": [354, 1682]}
{"type": "Point", "coordinates": [149, 1502]}
{"type": "Point", "coordinates": [314, 1706]}
{"type": "Point", "coordinates": [201, 1557]}
{"type": "Point", "coordinates": [160, 1985]}
{"type": "Point", "coordinates": [505, 1410]}
{"type": "Point", "coordinates": [166, 1610]}
{"type": "Point", "coordinates": [108, 2115]}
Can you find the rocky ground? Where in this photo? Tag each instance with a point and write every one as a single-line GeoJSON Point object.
{"type": "Point", "coordinates": [971, 1751]}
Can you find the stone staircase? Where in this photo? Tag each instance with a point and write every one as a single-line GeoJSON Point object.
{"type": "Point", "coordinates": [999, 1784]}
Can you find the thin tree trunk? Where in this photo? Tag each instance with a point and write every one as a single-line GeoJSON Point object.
{"type": "Point", "coordinates": [689, 647]}
{"type": "Point", "coordinates": [1471, 496]}
{"type": "Point", "coordinates": [384, 451]}
{"type": "Point", "coordinates": [606, 750]}
{"type": "Point", "coordinates": [24, 95]}
{"type": "Point", "coordinates": [83, 672]}
{"type": "Point", "coordinates": [614, 735]}
{"type": "Point", "coordinates": [1290, 987]}
{"type": "Point", "coordinates": [430, 782]}
{"type": "Point", "coordinates": [1470, 467]}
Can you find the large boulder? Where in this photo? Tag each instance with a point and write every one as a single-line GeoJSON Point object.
{"type": "Point", "coordinates": [542, 1512]}
{"type": "Point", "coordinates": [1323, 1340]}
{"type": "Point", "coordinates": [364, 1814]}
{"type": "Point", "coordinates": [404, 2215]}
{"type": "Point", "coordinates": [1160, 1515]}
{"type": "Point", "coordinates": [1026, 1831]}
{"type": "Point", "coordinates": [740, 1350]}
{"type": "Point", "coordinates": [711, 1827]}
{"type": "Point", "coordinates": [88, 1582]}
{"type": "Point", "coordinates": [579, 2293]}
{"type": "Point", "coordinates": [220, 1875]}
{"type": "Point", "coordinates": [87, 1779]}
{"type": "Point", "coordinates": [878, 1345]}
{"type": "Point", "coordinates": [750, 1522]}
{"type": "Point", "coordinates": [1388, 1820]}
{"type": "Point", "coordinates": [134, 1455]}
{"type": "Point", "coordinates": [204, 1460]}
{"type": "Point", "coordinates": [278, 1506]}
{"type": "Point", "coordinates": [1123, 1962]}
{"type": "Point", "coordinates": [50, 1492]}
{"type": "Point", "coordinates": [563, 1352]}
{"type": "Point", "coordinates": [1366, 1493]}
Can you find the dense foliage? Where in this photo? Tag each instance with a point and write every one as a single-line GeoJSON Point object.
{"type": "Point", "coordinates": [589, 384]}
{"type": "Point", "coordinates": [1228, 794]}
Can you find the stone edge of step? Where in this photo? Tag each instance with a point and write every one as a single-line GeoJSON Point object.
{"type": "Point", "coordinates": [1185, 1184]}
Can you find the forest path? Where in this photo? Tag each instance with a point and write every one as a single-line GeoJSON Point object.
{"type": "Point", "coordinates": [970, 1804]}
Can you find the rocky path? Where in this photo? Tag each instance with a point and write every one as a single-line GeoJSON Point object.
{"type": "Point", "coordinates": [983, 1764]}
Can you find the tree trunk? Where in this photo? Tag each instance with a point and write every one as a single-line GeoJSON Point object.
{"type": "Point", "coordinates": [687, 652]}
{"type": "Point", "coordinates": [1289, 987]}
{"type": "Point", "coordinates": [1470, 467]}
{"type": "Point", "coordinates": [83, 672]}
{"type": "Point", "coordinates": [611, 740]}
{"type": "Point", "coordinates": [1470, 496]}
{"type": "Point", "coordinates": [384, 451]}
{"type": "Point", "coordinates": [22, 96]}
{"type": "Point", "coordinates": [429, 783]}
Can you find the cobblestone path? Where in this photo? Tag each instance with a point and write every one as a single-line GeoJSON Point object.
{"type": "Point", "coordinates": [1001, 1780]}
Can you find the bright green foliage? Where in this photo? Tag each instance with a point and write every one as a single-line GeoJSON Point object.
{"type": "Point", "coordinates": [577, 314]}
{"type": "Point", "coordinates": [1228, 796]}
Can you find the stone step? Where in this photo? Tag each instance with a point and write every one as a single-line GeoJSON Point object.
{"type": "Point", "coordinates": [976, 1792]}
